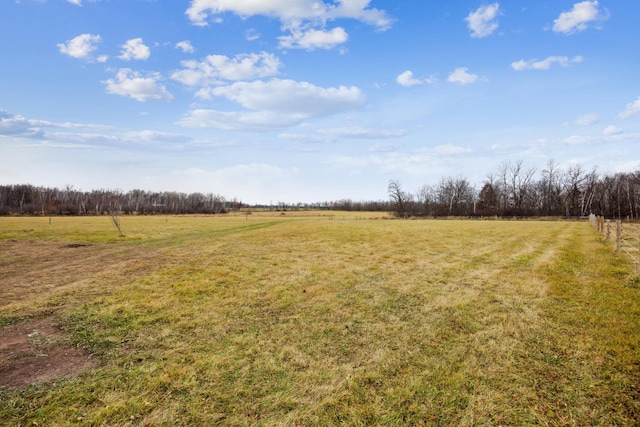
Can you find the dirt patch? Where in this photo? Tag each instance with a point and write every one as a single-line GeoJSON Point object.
{"type": "Point", "coordinates": [38, 351]}
{"type": "Point", "coordinates": [32, 270]}
{"type": "Point", "coordinates": [76, 245]}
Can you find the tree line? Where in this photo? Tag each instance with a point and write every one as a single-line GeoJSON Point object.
{"type": "Point", "coordinates": [26, 199]}
{"type": "Point", "coordinates": [511, 190]}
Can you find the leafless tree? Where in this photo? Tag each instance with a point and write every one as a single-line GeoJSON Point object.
{"type": "Point", "coordinates": [516, 183]}
{"type": "Point", "coordinates": [399, 199]}
{"type": "Point", "coordinates": [456, 196]}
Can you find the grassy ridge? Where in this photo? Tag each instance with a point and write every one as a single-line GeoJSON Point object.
{"type": "Point", "coordinates": [273, 321]}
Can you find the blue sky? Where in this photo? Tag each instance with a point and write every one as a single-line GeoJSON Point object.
{"type": "Point", "coordinates": [310, 100]}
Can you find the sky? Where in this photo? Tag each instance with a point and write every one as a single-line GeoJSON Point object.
{"type": "Point", "coordinates": [273, 101]}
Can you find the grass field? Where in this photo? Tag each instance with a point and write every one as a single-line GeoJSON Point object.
{"type": "Point", "coordinates": [283, 320]}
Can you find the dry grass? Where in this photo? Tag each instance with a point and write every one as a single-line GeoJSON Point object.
{"type": "Point", "coordinates": [290, 320]}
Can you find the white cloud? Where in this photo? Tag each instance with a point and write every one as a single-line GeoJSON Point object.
{"type": "Point", "coordinates": [611, 130]}
{"type": "Point", "coordinates": [135, 49]}
{"type": "Point", "coordinates": [185, 46]}
{"type": "Point", "coordinates": [578, 18]}
{"type": "Point", "coordinates": [545, 64]}
{"type": "Point", "coordinates": [239, 121]}
{"type": "Point", "coordinates": [291, 12]}
{"type": "Point", "coordinates": [76, 2]}
{"type": "Point", "coordinates": [406, 79]}
{"type": "Point", "coordinates": [587, 120]}
{"type": "Point", "coordinates": [19, 126]}
{"type": "Point", "coordinates": [14, 125]}
{"type": "Point", "coordinates": [292, 97]}
{"type": "Point", "coordinates": [251, 34]}
{"type": "Point", "coordinates": [462, 76]}
{"type": "Point", "coordinates": [304, 20]}
{"type": "Point", "coordinates": [314, 39]}
{"type": "Point", "coordinates": [151, 137]}
{"type": "Point", "coordinates": [274, 105]}
{"type": "Point", "coordinates": [633, 109]}
{"type": "Point", "coordinates": [80, 47]}
{"type": "Point", "coordinates": [215, 69]}
{"type": "Point", "coordinates": [482, 22]}
{"type": "Point", "coordinates": [131, 83]}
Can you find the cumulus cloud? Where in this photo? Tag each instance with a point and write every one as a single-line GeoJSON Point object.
{"type": "Point", "coordinates": [462, 76]}
{"type": "Point", "coordinates": [305, 20]}
{"type": "Point", "coordinates": [80, 47]}
{"type": "Point", "coordinates": [483, 21]}
{"type": "Point", "coordinates": [135, 49]}
{"type": "Point", "coordinates": [216, 69]}
{"type": "Point", "coordinates": [633, 109]}
{"type": "Point", "coordinates": [545, 64]}
{"type": "Point", "coordinates": [291, 12]}
{"type": "Point", "coordinates": [579, 17]}
{"type": "Point", "coordinates": [289, 96]}
{"type": "Point", "coordinates": [185, 46]}
{"type": "Point", "coordinates": [131, 83]}
{"type": "Point", "coordinates": [314, 39]}
{"type": "Point", "coordinates": [274, 104]}
{"type": "Point", "coordinates": [406, 79]}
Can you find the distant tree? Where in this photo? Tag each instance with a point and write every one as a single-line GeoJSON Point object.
{"type": "Point", "coordinates": [427, 201]}
{"type": "Point", "coordinates": [399, 199]}
{"type": "Point", "coordinates": [455, 196]}
{"type": "Point", "coordinates": [550, 189]}
{"type": "Point", "coordinates": [516, 183]}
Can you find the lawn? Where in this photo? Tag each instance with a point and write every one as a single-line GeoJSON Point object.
{"type": "Point", "coordinates": [294, 320]}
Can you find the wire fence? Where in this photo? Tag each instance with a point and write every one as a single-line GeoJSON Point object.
{"type": "Point", "coordinates": [625, 235]}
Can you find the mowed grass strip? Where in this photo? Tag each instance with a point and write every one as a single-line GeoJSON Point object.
{"type": "Point", "coordinates": [342, 322]}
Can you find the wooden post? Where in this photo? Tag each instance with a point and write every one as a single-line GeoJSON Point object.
{"type": "Point", "coordinates": [638, 265]}
{"type": "Point", "coordinates": [618, 234]}
{"type": "Point", "coordinates": [608, 233]}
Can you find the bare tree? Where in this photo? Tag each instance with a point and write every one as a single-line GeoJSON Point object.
{"type": "Point", "coordinates": [550, 186]}
{"type": "Point", "coordinates": [115, 206]}
{"type": "Point", "coordinates": [399, 199]}
{"type": "Point", "coordinates": [455, 196]}
{"type": "Point", "coordinates": [516, 182]}
{"type": "Point", "coordinates": [573, 180]}
{"type": "Point", "coordinates": [427, 204]}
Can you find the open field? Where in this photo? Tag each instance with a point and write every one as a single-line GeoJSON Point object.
{"type": "Point", "coordinates": [291, 320]}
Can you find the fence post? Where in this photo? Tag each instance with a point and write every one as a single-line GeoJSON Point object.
{"type": "Point", "coordinates": [618, 234]}
{"type": "Point", "coordinates": [608, 231]}
{"type": "Point", "coordinates": [638, 265]}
